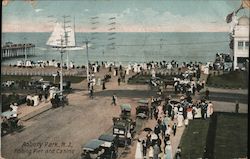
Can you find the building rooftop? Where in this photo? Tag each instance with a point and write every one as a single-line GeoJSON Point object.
{"type": "Point", "coordinates": [244, 20]}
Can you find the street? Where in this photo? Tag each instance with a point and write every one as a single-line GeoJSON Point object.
{"type": "Point", "coordinates": [62, 131]}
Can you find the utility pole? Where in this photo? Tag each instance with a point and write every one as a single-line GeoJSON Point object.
{"type": "Point", "coordinates": [61, 66]}
{"type": "Point", "coordinates": [86, 42]}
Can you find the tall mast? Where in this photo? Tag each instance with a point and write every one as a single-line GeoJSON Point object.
{"type": "Point", "coordinates": [66, 38]}
{"type": "Point", "coordinates": [74, 29]}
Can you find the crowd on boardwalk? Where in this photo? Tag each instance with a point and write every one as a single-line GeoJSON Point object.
{"type": "Point", "coordinates": [135, 67]}
{"type": "Point", "coordinates": [170, 116]}
{"type": "Point", "coordinates": [175, 113]}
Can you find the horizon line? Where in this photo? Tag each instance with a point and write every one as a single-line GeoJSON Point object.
{"type": "Point", "coordinates": [124, 32]}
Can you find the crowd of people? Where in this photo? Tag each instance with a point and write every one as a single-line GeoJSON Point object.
{"type": "Point", "coordinates": [176, 113]}
{"type": "Point", "coordinates": [170, 116]}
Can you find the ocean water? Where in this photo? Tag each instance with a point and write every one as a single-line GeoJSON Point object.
{"type": "Point", "coordinates": [130, 47]}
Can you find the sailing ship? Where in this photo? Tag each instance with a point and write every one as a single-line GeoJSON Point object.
{"type": "Point", "coordinates": [63, 37]}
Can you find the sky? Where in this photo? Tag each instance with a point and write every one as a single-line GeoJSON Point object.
{"type": "Point", "coordinates": [130, 15]}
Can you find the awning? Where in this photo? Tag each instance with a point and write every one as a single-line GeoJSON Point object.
{"type": "Point", "coordinates": [93, 144]}
{"type": "Point", "coordinates": [126, 107]}
{"type": "Point", "coordinates": [107, 137]}
{"type": "Point", "coordinates": [143, 101]}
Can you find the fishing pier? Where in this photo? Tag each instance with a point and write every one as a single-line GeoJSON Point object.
{"type": "Point", "coordinates": [10, 50]}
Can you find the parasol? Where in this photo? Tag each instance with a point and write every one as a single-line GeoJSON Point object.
{"type": "Point", "coordinates": [147, 129]}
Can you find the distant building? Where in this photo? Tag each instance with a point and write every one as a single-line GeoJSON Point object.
{"type": "Point", "coordinates": [240, 43]}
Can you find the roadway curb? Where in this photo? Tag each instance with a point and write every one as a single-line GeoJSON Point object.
{"type": "Point", "coordinates": [36, 112]}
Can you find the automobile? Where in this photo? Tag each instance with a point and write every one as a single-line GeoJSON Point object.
{"type": "Point", "coordinates": [40, 84]}
{"type": "Point", "coordinates": [93, 149]}
{"type": "Point", "coordinates": [59, 100]}
{"type": "Point", "coordinates": [10, 124]}
{"type": "Point", "coordinates": [110, 146]}
{"type": "Point", "coordinates": [125, 110]}
{"type": "Point", "coordinates": [142, 110]}
{"type": "Point", "coordinates": [123, 128]}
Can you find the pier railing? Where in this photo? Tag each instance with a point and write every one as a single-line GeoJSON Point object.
{"type": "Point", "coordinates": [40, 71]}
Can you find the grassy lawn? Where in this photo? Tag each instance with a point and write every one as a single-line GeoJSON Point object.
{"type": "Point", "coordinates": [193, 139]}
{"type": "Point", "coordinates": [234, 79]}
{"type": "Point", "coordinates": [72, 79]}
{"type": "Point", "coordinates": [142, 79]}
{"type": "Point", "coordinates": [231, 136]}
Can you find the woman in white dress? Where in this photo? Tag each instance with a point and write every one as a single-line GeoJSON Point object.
{"type": "Point", "coordinates": [175, 112]}
{"type": "Point", "coordinates": [151, 152]}
{"type": "Point", "coordinates": [180, 117]}
{"type": "Point", "coordinates": [138, 152]}
{"type": "Point", "coordinates": [197, 112]}
{"type": "Point", "coordinates": [168, 130]}
{"type": "Point", "coordinates": [168, 151]}
{"type": "Point", "coordinates": [209, 109]}
{"type": "Point", "coordinates": [190, 113]}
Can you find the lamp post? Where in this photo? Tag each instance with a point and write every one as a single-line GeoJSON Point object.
{"type": "Point", "coordinates": [54, 75]}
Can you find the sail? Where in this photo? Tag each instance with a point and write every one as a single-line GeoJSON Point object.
{"type": "Point", "coordinates": [71, 37]}
{"type": "Point", "coordinates": [59, 33]}
{"type": "Point", "coordinates": [56, 36]}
